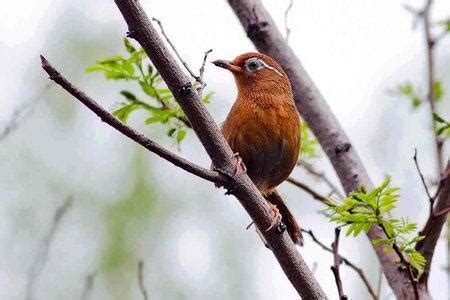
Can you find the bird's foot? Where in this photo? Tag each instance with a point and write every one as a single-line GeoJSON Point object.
{"type": "Point", "coordinates": [277, 217]}
{"type": "Point", "coordinates": [240, 166]}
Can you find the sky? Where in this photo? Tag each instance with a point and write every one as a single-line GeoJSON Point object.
{"type": "Point", "coordinates": [355, 51]}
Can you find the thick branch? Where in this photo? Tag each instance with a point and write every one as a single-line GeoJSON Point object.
{"type": "Point", "coordinates": [109, 119]}
{"type": "Point", "coordinates": [435, 223]}
{"type": "Point", "coordinates": [261, 29]}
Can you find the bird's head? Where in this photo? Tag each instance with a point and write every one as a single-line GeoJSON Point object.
{"type": "Point", "coordinates": [256, 72]}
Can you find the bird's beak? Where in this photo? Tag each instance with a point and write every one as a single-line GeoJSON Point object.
{"type": "Point", "coordinates": [225, 64]}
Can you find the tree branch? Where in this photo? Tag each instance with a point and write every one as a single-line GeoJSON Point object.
{"type": "Point", "coordinates": [435, 223]}
{"type": "Point", "coordinates": [346, 261]}
{"type": "Point", "coordinates": [430, 43]}
{"type": "Point", "coordinates": [263, 32]}
{"type": "Point", "coordinates": [337, 263]}
{"type": "Point", "coordinates": [20, 113]}
{"type": "Point", "coordinates": [88, 286]}
{"type": "Point", "coordinates": [430, 198]}
{"type": "Point", "coordinates": [109, 119]}
{"type": "Point", "coordinates": [286, 15]}
{"type": "Point", "coordinates": [321, 176]}
{"type": "Point", "coordinates": [41, 257]}
{"type": "Point", "coordinates": [214, 143]}
{"type": "Point", "coordinates": [141, 280]}
{"type": "Point", "coordinates": [307, 189]}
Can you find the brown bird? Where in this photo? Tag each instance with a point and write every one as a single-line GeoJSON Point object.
{"type": "Point", "coordinates": [262, 128]}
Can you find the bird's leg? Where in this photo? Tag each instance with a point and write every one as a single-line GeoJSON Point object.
{"type": "Point", "coordinates": [240, 166]}
{"type": "Point", "coordinates": [277, 217]}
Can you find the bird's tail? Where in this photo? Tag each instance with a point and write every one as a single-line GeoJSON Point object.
{"type": "Point", "coordinates": [287, 217]}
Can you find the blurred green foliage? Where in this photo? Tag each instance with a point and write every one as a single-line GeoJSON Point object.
{"type": "Point", "coordinates": [125, 222]}
{"type": "Point", "coordinates": [159, 102]}
{"type": "Point", "coordinates": [362, 210]}
{"type": "Point", "coordinates": [308, 145]}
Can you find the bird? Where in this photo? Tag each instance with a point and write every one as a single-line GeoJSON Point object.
{"type": "Point", "coordinates": [263, 129]}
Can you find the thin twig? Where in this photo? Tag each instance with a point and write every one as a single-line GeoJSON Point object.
{"type": "Point", "coordinates": [41, 257]}
{"type": "Point", "coordinates": [430, 46]}
{"type": "Point", "coordinates": [141, 280]}
{"type": "Point", "coordinates": [21, 113]}
{"type": "Point", "coordinates": [201, 72]}
{"type": "Point", "coordinates": [198, 78]}
{"type": "Point", "coordinates": [286, 15]}
{"type": "Point", "coordinates": [321, 176]}
{"type": "Point", "coordinates": [307, 189]}
{"type": "Point", "coordinates": [346, 261]}
{"type": "Point", "coordinates": [337, 263]}
{"type": "Point", "coordinates": [404, 262]}
{"type": "Point", "coordinates": [430, 198]}
{"type": "Point", "coordinates": [88, 286]}
{"type": "Point", "coordinates": [130, 132]}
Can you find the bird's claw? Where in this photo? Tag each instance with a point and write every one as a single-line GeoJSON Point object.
{"type": "Point", "coordinates": [240, 166]}
{"type": "Point", "coordinates": [277, 217]}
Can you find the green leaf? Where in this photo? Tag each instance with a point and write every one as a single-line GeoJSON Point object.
{"type": "Point", "coordinates": [128, 46]}
{"type": "Point", "coordinates": [442, 129]}
{"type": "Point", "coordinates": [438, 118]}
{"type": "Point", "coordinates": [438, 90]}
{"type": "Point", "coordinates": [207, 98]}
{"type": "Point", "coordinates": [111, 59]}
{"type": "Point", "coordinates": [181, 135]}
{"type": "Point", "coordinates": [416, 101]}
{"type": "Point", "coordinates": [124, 112]}
{"type": "Point", "coordinates": [129, 95]}
{"type": "Point", "coordinates": [94, 68]}
{"type": "Point", "coordinates": [405, 89]}
{"type": "Point", "coordinates": [171, 131]}
{"type": "Point", "coordinates": [148, 89]}
{"type": "Point", "coordinates": [128, 68]}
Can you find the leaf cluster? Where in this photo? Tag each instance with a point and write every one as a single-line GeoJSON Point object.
{"type": "Point", "coordinates": [362, 210]}
{"type": "Point", "coordinates": [159, 101]}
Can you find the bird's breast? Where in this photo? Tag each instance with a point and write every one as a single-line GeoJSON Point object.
{"type": "Point", "coordinates": [267, 138]}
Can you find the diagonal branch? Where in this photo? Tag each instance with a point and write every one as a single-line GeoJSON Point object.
{"type": "Point", "coordinates": [42, 253]}
{"type": "Point", "coordinates": [321, 176]}
{"type": "Point", "coordinates": [435, 223]}
{"type": "Point", "coordinates": [109, 119]}
{"type": "Point", "coordinates": [307, 189]}
{"type": "Point", "coordinates": [264, 34]}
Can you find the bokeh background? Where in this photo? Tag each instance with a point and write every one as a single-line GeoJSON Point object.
{"type": "Point", "coordinates": [129, 205]}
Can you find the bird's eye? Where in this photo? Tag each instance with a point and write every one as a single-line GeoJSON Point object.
{"type": "Point", "coordinates": [254, 65]}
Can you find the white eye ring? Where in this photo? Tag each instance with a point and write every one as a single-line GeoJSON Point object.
{"type": "Point", "coordinates": [254, 64]}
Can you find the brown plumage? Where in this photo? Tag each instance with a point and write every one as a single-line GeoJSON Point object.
{"type": "Point", "coordinates": [263, 127]}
